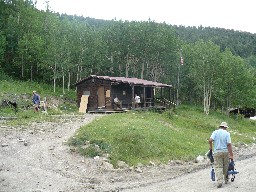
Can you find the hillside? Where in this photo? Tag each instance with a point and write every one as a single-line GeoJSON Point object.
{"type": "Point", "coordinates": [240, 43]}
{"type": "Point", "coordinates": [21, 93]}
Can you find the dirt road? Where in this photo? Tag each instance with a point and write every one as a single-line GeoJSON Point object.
{"type": "Point", "coordinates": [200, 181]}
{"type": "Point", "coordinates": [35, 158]}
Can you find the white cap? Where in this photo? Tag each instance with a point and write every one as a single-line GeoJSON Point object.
{"type": "Point", "coordinates": [224, 124]}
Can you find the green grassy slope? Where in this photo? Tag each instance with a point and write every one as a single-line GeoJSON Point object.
{"type": "Point", "coordinates": [21, 92]}
{"type": "Point", "coordinates": [140, 137]}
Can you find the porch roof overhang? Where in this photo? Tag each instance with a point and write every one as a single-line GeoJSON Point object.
{"type": "Point", "coordinates": [131, 81]}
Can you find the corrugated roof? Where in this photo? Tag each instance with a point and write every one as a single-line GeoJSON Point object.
{"type": "Point", "coordinates": [132, 81]}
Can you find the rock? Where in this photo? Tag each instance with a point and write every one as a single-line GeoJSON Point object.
{"type": "Point", "coordinates": [199, 159]}
{"type": "Point", "coordinates": [122, 164]}
{"type": "Point", "coordinates": [104, 159]}
{"type": "Point", "coordinates": [51, 147]}
{"type": "Point", "coordinates": [96, 158]}
{"type": "Point", "coordinates": [138, 170]}
{"type": "Point", "coordinates": [107, 166]}
{"type": "Point", "coordinates": [131, 168]}
{"type": "Point", "coordinates": [178, 162]}
{"type": "Point", "coordinates": [21, 140]}
{"type": "Point", "coordinates": [4, 144]}
{"type": "Point", "coordinates": [152, 163]}
{"type": "Point", "coordinates": [25, 143]}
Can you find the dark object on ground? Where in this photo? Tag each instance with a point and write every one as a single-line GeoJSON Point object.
{"type": "Point", "coordinates": [27, 107]}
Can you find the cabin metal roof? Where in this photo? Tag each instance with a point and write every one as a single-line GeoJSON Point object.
{"type": "Point", "coordinates": [131, 81]}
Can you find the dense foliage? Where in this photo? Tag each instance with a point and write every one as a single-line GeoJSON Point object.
{"type": "Point", "coordinates": [48, 47]}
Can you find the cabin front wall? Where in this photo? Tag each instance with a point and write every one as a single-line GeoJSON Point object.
{"type": "Point", "coordinates": [102, 92]}
{"type": "Point", "coordinates": [99, 93]}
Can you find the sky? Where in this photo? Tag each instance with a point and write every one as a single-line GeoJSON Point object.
{"type": "Point", "coordinates": [229, 14]}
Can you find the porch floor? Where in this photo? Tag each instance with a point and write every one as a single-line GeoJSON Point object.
{"type": "Point", "coordinates": [104, 111]}
{"type": "Point", "coordinates": [107, 111]}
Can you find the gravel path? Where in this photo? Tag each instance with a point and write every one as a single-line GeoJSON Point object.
{"type": "Point", "coordinates": [200, 181]}
{"type": "Point", "coordinates": [36, 159]}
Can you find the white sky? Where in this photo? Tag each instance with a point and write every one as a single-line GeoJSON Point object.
{"type": "Point", "coordinates": [228, 14]}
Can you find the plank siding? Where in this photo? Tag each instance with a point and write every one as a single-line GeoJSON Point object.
{"type": "Point", "coordinates": [91, 85]}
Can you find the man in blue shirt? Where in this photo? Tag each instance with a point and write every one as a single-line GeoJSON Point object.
{"type": "Point", "coordinates": [221, 140]}
{"type": "Point", "coordinates": [36, 101]}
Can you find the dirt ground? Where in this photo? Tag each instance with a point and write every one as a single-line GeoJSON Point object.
{"type": "Point", "coordinates": [35, 158]}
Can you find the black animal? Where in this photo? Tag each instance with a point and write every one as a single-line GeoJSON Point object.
{"type": "Point", "coordinates": [246, 112]}
{"type": "Point", "coordinates": [11, 104]}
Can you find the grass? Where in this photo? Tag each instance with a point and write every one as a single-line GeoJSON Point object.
{"type": "Point", "coordinates": [141, 137]}
{"type": "Point", "coordinates": [13, 88]}
{"type": "Point", "coordinates": [21, 92]}
{"type": "Point", "coordinates": [25, 117]}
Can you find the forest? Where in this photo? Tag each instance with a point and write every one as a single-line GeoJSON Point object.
{"type": "Point", "coordinates": [212, 67]}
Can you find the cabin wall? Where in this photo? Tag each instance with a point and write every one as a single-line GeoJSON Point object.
{"type": "Point", "coordinates": [91, 87]}
{"type": "Point", "coordinates": [103, 91]}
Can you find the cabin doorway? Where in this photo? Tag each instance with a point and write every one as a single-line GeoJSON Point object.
{"type": "Point", "coordinates": [101, 97]}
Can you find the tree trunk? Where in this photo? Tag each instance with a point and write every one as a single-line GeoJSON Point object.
{"type": "Point", "coordinates": [120, 70]}
{"type": "Point", "coordinates": [69, 77]}
{"type": "Point", "coordinates": [142, 70]}
{"type": "Point", "coordinates": [63, 81]}
{"type": "Point", "coordinates": [31, 73]}
{"type": "Point", "coordinates": [127, 66]}
{"type": "Point", "coordinates": [22, 67]}
{"type": "Point", "coordinates": [54, 77]}
{"type": "Point", "coordinates": [207, 98]}
{"type": "Point", "coordinates": [77, 75]}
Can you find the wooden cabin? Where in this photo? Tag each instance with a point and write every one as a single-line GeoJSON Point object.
{"type": "Point", "coordinates": [98, 93]}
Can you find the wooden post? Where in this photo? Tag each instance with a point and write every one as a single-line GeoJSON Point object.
{"type": "Point", "coordinates": [170, 96]}
{"type": "Point", "coordinates": [133, 104]}
{"type": "Point", "coordinates": [144, 96]}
